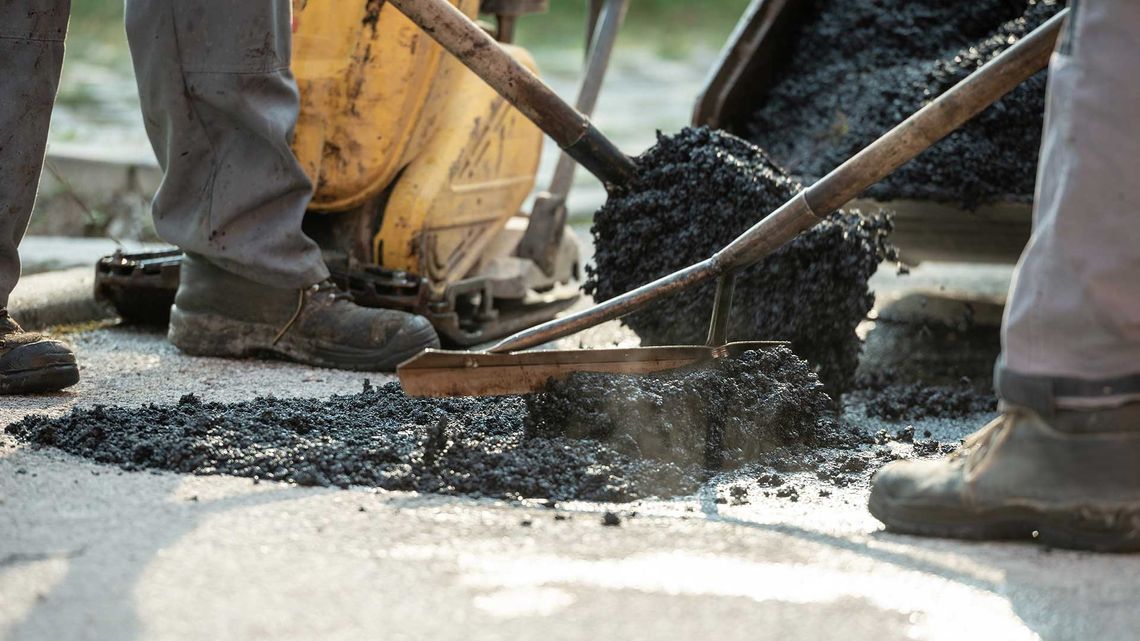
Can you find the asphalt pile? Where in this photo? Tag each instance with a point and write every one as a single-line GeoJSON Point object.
{"type": "Point", "coordinates": [718, 415]}
{"type": "Point", "coordinates": [858, 67]}
{"type": "Point", "coordinates": [914, 401]}
{"type": "Point", "coordinates": [378, 438]}
{"type": "Point", "coordinates": [695, 192]}
{"type": "Point", "coordinates": [506, 447]}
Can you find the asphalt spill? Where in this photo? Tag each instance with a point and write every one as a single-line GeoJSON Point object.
{"type": "Point", "coordinates": [718, 416]}
{"type": "Point", "coordinates": [695, 192]}
{"type": "Point", "coordinates": [857, 68]}
{"type": "Point", "coordinates": [913, 401]}
{"type": "Point", "coordinates": [507, 447]}
{"type": "Point", "coordinates": [378, 438]}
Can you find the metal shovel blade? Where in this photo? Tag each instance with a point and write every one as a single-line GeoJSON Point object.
{"type": "Point", "coordinates": [446, 373]}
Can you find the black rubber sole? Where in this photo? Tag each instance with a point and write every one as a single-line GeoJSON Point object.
{"type": "Point", "coordinates": [51, 378]}
{"type": "Point", "coordinates": [1117, 532]}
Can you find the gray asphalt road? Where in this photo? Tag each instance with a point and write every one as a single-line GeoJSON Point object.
{"type": "Point", "coordinates": [92, 552]}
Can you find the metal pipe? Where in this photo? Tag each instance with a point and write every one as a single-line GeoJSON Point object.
{"type": "Point", "coordinates": [543, 236]}
{"type": "Point", "coordinates": [597, 62]}
{"type": "Point", "coordinates": [479, 52]}
{"type": "Point", "coordinates": [722, 308]}
{"type": "Point", "coordinates": [902, 143]}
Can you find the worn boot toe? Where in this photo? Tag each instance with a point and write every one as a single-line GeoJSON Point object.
{"type": "Point", "coordinates": [31, 363]}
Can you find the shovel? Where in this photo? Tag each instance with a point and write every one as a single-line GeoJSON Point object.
{"type": "Point", "coordinates": [503, 369]}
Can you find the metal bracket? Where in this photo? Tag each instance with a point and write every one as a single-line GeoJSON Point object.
{"type": "Point", "coordinates": [548, 217]}
{"type": "Point", "coordinates": [507, 14]}
{"type": "Point", "coordinates": [722, 309]}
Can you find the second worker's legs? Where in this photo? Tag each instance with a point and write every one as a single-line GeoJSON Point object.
{"type": "Point", "coordinates": [1060, 463]}
{"type": "Point", "coordinates": [220, 105]}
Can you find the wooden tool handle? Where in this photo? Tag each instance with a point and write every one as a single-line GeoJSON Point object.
{"type": "Point", "coordinates": [479, 52]}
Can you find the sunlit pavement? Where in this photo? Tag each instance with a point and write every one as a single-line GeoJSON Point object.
{"type": "Point", "coordinates": [92, 552]}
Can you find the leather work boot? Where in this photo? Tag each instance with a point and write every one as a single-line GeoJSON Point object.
{"type": "Point", "coordinates": [1072, 481]}
{"type": "Point", "coordinates": [31, 363]}
{"type": "Point", "coordinates": [217, 313]}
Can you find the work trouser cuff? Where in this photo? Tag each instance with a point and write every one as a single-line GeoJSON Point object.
{"type": "Point", "coordinates": [294, 276]}
{"type": "Point", "coordinates": [1045, 395]}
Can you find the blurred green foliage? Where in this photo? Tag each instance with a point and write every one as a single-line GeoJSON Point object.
{"type": "Point", "coordinates": [97, 18]}
{"type": "Point", "coordinates": [671, 27]}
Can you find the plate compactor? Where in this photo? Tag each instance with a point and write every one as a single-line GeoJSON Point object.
{"type": "Point", "coordinates": [420, 172]}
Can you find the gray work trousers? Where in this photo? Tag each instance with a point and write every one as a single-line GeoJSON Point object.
{"type": "Point", "coordinates": [1071, 333]}
{"type": "Point", "coordinates": [219, 104]}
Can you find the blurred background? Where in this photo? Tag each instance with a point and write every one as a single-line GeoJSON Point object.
{"type": "Point", "coordinates": [665, 50]}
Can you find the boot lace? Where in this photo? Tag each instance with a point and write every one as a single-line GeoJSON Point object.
{"type": "Point", "coordinates": [325, 288]}
{"type": "Point", "coordinates": [975, 446]}
{"type": "Point", "coordinates": [328, 288]}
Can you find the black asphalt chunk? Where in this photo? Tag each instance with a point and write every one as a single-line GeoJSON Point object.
{"type": "Point", "coordinates": [718, 415]}
{"type": "Point", "coordinates": [858, 67]}
{"type": "Point", "coordinates": [475, 447]}
{"type": "Point", "coordinates": [914, 401]}
{"type": "Point", "coordinates": [695, 192]}
{"type": "Point", "coordinates": [379, 438]}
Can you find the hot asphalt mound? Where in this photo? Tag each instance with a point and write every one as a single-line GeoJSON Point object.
{"type": "Point", "coordinates": [915, 401]}
{"type": "Point", "coordinates": [695, 192]}
{"type": "Point", "coordinates": [719, 415]}
{"type": "Point", "coordinates": [477, 447]}
{"type": "Point", "coordinates": [859, 67]}
{"type": "Point", "coordinates": [379, 438]}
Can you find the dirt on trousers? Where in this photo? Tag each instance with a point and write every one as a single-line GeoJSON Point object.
{"type": "Point", "coordinates": [695, 192]}
{"type": "Point", "coordinates": [858, 67]}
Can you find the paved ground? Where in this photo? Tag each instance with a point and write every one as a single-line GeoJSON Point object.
{"type": "Point", "coordinates": [91, 552]}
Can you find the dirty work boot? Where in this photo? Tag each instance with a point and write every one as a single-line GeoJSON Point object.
{"type": "Point", "coordinates": [217, 313]}
{"type": "Point", "coordinates": [31, 363]}
{"type": "Point", "coordinates": [1072, 481]}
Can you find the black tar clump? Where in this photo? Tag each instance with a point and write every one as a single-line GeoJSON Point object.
{"type": "Point", "coordinates": [859, 67]}
{"type": "Point", "coordinates": [718, 415]}
{"type": "Point", "coordinates": [916, 401]}
{"type": "Point", "coordinates": [379, 438]}
{"type": "Point", "coordinates": [695, 192]}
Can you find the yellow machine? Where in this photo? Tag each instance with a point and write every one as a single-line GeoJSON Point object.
{"type": "Point", "coordinates": [420, 172]}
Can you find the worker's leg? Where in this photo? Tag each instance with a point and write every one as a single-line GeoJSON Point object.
{"type": "Point", "coordinates": [1071, 336]}
{"type": "Point", "coordinates": [220, 105]}
{"type": "Point", "coordinates": [31, 55]}
{"type": "Point", "coordinates": [1061, 460]}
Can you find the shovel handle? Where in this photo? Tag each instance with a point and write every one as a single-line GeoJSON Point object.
{"type": "Point", "coordinates": [899, 145]}
{"type": "Point", "coordinates": [479, 52]}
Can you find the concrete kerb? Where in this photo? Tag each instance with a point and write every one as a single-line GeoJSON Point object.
{"type": "Point", "coordinates": [64, 297]}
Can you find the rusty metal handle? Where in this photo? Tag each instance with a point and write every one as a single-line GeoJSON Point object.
{"type": "Point", "coordinates": [479, 52]}
{"type": "Point", "coordinates": [543, 238]}
{"type": "Point", "coordinates": [899, 145]}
